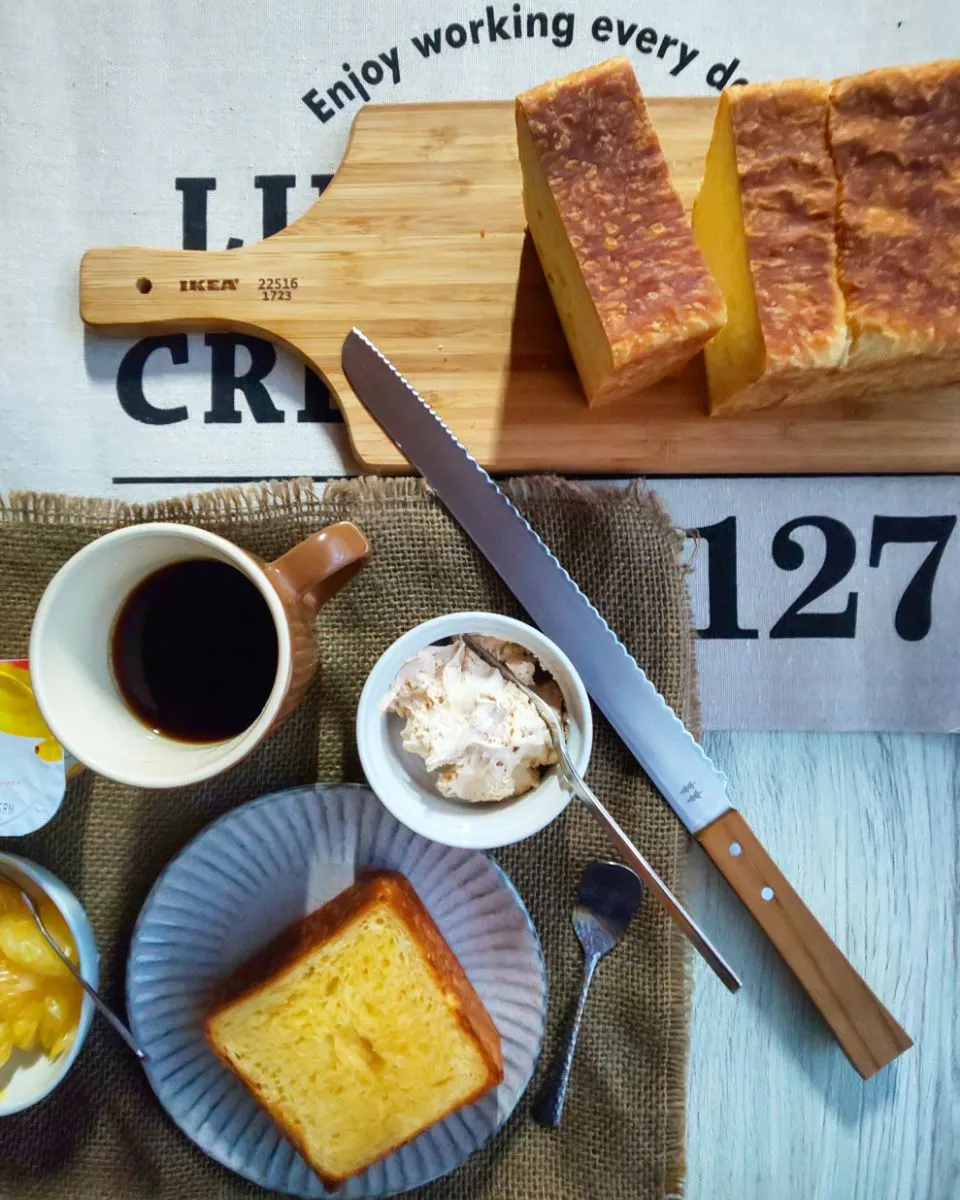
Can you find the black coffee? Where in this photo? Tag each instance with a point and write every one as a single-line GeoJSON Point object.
{"type": "Point", "coordinates": [195, 651]}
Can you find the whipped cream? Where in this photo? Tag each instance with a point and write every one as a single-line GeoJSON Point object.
{"type": "Point", "coordinates": [479, 732]}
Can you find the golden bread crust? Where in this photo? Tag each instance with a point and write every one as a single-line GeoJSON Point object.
{"type": "Point", "coordinates": [633, 242]}
{"type": "Point", "coordinates": [895, 136]}
{"type": "Point", "coordinates": [788, 195]}
{"type": "Point", "coordinates": [858, 294]}
{"type": "Point", "coordinates": [371, 889]}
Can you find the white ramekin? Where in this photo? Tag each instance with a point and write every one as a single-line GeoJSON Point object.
{"type": "Point", "coordinates": [404, 786]}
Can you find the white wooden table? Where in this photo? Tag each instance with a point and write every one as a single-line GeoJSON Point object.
{"type": "Point", "coordinates": [868, 829]}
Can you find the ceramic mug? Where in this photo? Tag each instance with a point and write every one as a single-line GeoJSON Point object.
{"type": "Point", "coordinates": [70, 658]}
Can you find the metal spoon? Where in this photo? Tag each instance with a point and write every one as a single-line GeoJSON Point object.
{"type": "Point", "coordinates": [571, 776]}
{"type": "Point", "coordinates": [610, 894]}
{"type": "Point", "coordinates": [91, 991]}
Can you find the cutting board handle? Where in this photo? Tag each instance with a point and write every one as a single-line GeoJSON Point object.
{"type": "Point", "coordinates": [129, 289]}
{"type": "Point", "coordinates": [867, 1033]}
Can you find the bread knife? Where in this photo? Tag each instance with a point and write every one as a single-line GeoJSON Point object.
{"type": "Point", "coordinates": [675, 763]}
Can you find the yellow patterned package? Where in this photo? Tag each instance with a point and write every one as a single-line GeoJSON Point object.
{"type": "Point", "coordinates": [33, 764]}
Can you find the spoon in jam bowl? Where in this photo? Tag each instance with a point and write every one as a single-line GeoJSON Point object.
{"type": "Point", "coordinates": [571, 777]}
{"type": "Point", "coordinates": [91, 991]}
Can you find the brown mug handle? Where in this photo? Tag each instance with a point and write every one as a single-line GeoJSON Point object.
{"type": "Point", "coordinates": [318, 567]}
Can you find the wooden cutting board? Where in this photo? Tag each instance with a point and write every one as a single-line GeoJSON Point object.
{"type": "Point", "coordinates": [420, 241]}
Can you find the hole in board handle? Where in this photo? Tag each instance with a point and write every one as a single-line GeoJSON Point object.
{"type": "Point", "coordinates": [144, 285]}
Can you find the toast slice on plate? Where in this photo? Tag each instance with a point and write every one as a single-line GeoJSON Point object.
{"type": "Point", "coordinates": [357, 1028]}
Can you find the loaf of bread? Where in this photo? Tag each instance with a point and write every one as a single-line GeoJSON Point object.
{"type": "Point", "coordinates": [765, 220]}
{"type": "Point", "coordinates": [830, 216]}
{"type": "Point", "coordinates": [357, 1028]}
{"type": "Point", "coordinates": [630, 286]}
{"type": "Point", "coordinates": [895, 138]}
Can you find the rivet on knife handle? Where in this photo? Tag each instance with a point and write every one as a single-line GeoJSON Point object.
{"type": "Point", "coordinates": [867, 1033]}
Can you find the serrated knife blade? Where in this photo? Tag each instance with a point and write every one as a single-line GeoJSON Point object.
{"type": "Point", "coordinates": [655, 735]}
{"type": "Point", "coordinates": [659, 740]}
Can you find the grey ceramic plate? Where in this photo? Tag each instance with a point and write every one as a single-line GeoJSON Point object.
{"type": "Point", "coordinates": [252, 873]}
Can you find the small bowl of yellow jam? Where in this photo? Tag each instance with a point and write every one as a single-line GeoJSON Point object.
{"type": "Point", "coordinates": [44, 1013]}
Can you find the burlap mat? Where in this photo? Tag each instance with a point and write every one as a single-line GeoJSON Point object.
{"type": "Point", "coordinates": [102, 1133]}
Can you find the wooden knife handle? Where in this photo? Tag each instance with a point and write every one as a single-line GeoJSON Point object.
{"type": "Point", "coordinates": [867, 1033]}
